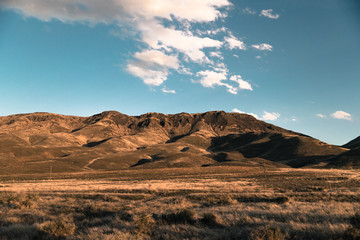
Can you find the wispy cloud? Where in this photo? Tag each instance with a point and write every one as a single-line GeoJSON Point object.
{"type": "Point", "coordinates": [242, 83]}
{"type": "Point", "coordinates": [148, 75]}
{"type": "Point", "coordinates": [152, 66]}
{"type": "Point", "coordinates": [216, 54]}
{"type": "Point", "coordinates": [211, 79]}
{"type": "Point", "coordinates": [239, 111]}
{"type": "Point", "coordinates": [234, 43]}
{"type": "Point", "coordinates": [262, 47]}
{"type": "Point", "coordinates": [267, 116]}
{"type": "Point", "coordinates": [342, 115]}
{"type": "Point", "coordinates": [164, 90]}
{"type": "Point", "coordinates": [249, 11]}
{"type": "Point", "coordinates": [214, 31]}
{"type": "Point", "coordinates": [270, 116]}
{"type": "Point", "coordinates": [321, 115]}
{"type": "Point", "coordinates": [269, 14]}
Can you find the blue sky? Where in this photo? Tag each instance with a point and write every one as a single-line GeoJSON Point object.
{"type": "Point", "coordinates": [295, 63]}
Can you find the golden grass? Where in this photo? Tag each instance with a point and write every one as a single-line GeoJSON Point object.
{"type": "Point", "coordinates": [236, 204]}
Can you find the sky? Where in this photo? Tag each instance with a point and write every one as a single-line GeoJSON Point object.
{"type": "Point", "coordinates": [295, 64]}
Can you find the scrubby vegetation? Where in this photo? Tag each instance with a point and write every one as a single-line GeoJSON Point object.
{"type": "Point", "coordinates": [233, 204]}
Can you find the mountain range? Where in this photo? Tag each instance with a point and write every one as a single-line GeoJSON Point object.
{"type": "Point", "coordinates": [37, 142]}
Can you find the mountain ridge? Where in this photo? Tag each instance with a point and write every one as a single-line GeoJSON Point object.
{"type": "Point", "coordinates": [33, 141]}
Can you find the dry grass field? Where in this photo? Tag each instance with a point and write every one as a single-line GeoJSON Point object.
{"type": "Point", "coordinates": [183, 203]}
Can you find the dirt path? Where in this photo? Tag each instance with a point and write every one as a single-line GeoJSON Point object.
{"type": "Point", "coordinates": [91, 162]}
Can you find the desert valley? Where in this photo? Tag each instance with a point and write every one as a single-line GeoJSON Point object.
{"type": "Point", "coordinates": [179, 120]}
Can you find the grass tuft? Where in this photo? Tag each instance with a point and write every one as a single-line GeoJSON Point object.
{"type": "Point", "coordinates": [184, 216]}
{"type": "Point", "coordinates": [144, 224]}
{"type": "Point", "coordinates": [209, 219]}
{"type": "Point", "coordinates": [355, 220]}
{"type": "Point", "coordinates": [353, 232]}
{"type": "Point", "coordinates": [14, 200]}
{"type": "Point", "coordinates": [58, 228]}
{"type": "Point", "coordinates": [267, 233]}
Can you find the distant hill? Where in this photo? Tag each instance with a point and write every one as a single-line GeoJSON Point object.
{"type": "Point", "coordinates": [37, 142]}
{"type": "Point", "coordinates": [348, 160]}
{"type": "Point", "coordinates": [353, 143]}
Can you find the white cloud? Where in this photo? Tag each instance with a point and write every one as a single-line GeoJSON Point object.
{"type": "Point", "coordinates": [144, 20]}
{"type": "Point", "coordinates": [239, 111]}
{"type": "Point", "coordinates": [159, 58]}
{"type": "Point", "coordinates": [141, 15]}
{"type": "Point", "coordinates": [249, 11]}
{"type": "Point", "coordinates": [321, 115]}
{"type": "Point", "coordinates": [157, 36]}
{"type": "Point", "coordinates": [293, 119]}
{"type": "Point", "coordinates": [148, 75]}
{"type": "Point", "coordinates": [216, 54]}
{"type": "Point", "coordinates": [242, 83]}
{"type": "Point", "coordinates": [186, 71]}
{"type": "Point", "coordinates": [211, 78]}
{"type": "Point", "coordinates": [164, 90]}
{"type": "Point", "coordinates": [152, 66]}
{"type": "Point", "coordinates": [270, 116]}
{"type": "Point", "coordinates": [117, 10]}
{"type": "Point", "coordinates": [269, 14]}
{"type": "Point", "coordinates": [258, 57]}
{"type": "Point", "coordinates": [342, 115]}
{"type": "Point", "coordinates": [263, 47]}
{"type": "Point", "coordinates": [233, 42]}
{"type": "Point", "coordinates": [215, 31]}
{"type": "Point", "coordinates": [220, 67]}
{"type": "Point", "coordinates": [266, 116]}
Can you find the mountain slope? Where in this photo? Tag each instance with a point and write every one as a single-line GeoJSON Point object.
{"type": "Point", "coordinates": [355, 143]}
{"type": "Point", "coordinates": [34, 143]}
{"type": "Point", "coordinates": [348, 160]}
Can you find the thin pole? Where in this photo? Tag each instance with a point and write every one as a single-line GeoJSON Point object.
{"type": "Point", "coordinates": [50, 171]}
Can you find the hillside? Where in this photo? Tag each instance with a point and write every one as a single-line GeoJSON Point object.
{"type": "Point", "coordinates": [37, 142]}
{"type": "Point", "coordinates": [355, 143]}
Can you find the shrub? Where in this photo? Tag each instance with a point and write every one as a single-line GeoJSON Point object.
{"type": "Point", "coordinates": [281, 200]}
{"type": "Point", "coordinates": [96, 211]}
{"type": "Point", "coordinates": [209, 219]}
{"type": "Point", "coordinates": [214, 199]}
{"type": "Point", "coordinates": [144, 224]}
{"type": "Point", "coordinates": [267, 233]}
{"type": "Point", "coordinates": [14, 200]}
{"type": "Point", "coordinates": [226, 200]}
{"type": "Point", "coordinates": [355, 220]}
{"type": "Point", "coordinates": [125, 216]}
{"type": "Point", "coordinates": [185, 216]}
{"type": "Point", "coordinates": [351, 234]}
{"type": "Point", "coordinates": [58, 228]}
{"type": "Point", "coordinates": [244, 220]}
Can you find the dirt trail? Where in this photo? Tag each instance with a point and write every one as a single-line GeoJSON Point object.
{"type": "Point", "coordinates": [91, 162]}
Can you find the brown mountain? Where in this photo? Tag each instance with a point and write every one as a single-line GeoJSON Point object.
{"type": "Point", "coordinates": [355, 143]}
{"type": "Point", "coordinates": [34, 143]}
{"type": "Point", "coordinates": [349, 159]}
